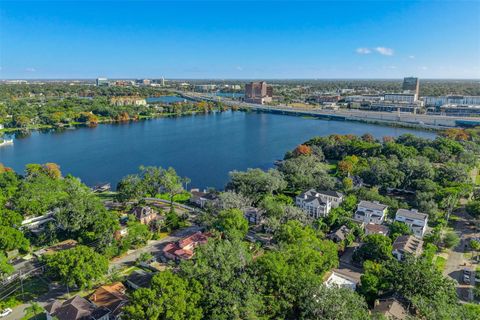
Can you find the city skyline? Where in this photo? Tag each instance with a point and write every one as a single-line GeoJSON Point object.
{"type": "Point", "coordinates": [239, 40]}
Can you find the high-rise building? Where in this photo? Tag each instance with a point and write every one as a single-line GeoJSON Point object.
{"type": "Point", "coordinates": [258, 92]}
{"type": "Point", "coordinates": [100, 82]}
{"type": "Point", "coordinates": [411, 84]}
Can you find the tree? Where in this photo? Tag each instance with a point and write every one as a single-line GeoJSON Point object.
{"type": "Point", "coordinates": [11, 239]}
{"type": "Point", "coordinates": [32, 311]}
{"type": "Point", "coordinates": [5, 267]}
{"type": "Point", "coordinates": [398, 228]}
{"type": "Point", "coordinates": [321, 302]}
{"type": "Point", "coordinates": [475, 245]}
{"type": "Point", "coordinates": [130, 188]}
{"type": "Point", "coordinates": [376, 247]}
{"type": "Point", "coordinates": [221, 268]}
{"type": "Point", "coordinates": [473, 208]}
{"type": "Point", "coordinates": [301, 261]}
{"type": "Point", "coordinates": [170, 297]}
{"type": "Point", "coordinates": [232, 200]}
{"type": "Point", "coordinates": [80, 266]}
{"type": "Point", "coordinates": [232, 224]}
{"type": "Point", "coordinates": [172, 183]}
{"type": "Point", "coordinates": [137, 236]}
{"type": "Point", "coordinates": [451, 239]}
{"type": "Point", "coordinates": [256, 183]}
{"type": "Point", "coordinates": [302, 150]}
{"type": "Point", "coordinates": [306, 172]}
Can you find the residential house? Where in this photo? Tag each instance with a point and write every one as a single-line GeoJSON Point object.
{"type": "Point", "coordinates": [407, 244]}
{"type": "Point", "coordinates": [144, 214]}
{"type": "Point", "coordinates": [112, 297]}
{"type": "Point", "coordinates": [318, 204]}
{"type": "Point", "coordinates": [416, 221]}
{"type": "Point", "coordinates": [76, 308]}
{"type": "Point", "coordinates": [139, 279]}
{"type": "Point", "coordinates": [203, 198]}
{"type": "Point", "coordinates": [390, 308]}
{"type": "Point", "coordinates": [253, 215]}
{"type": "Point", "coordinates": [64, 245]}
{"type": "Point", "coordinates": [336, 279]}
{"type": "Point", "coordinates": [370, 212]}
{"type": "Point", "coordinates": [340, 234]}
{"type": "Point", "coordinates": [183, 249]}
{"type": "Point", "coordinates": [373, 228]}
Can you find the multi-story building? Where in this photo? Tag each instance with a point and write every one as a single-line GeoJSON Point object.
{"type": "Point", "coordinates": [432, 101]}
{"type": "Point", "coordinates": [411, 84]}
{"type": "Point", "coordinates": [258, 92]}
{"type": "Point", "coordinates": [205, 87]}
{"type": "Point", "coordinates": [460, 110]}
{"type": "Point", "coordinates": [401, 97]}
{"type": "Point", "coordinates": [370, 212]}
{"type": "Point", "coordinates": [318, 203]}
{"type": "Point", "coordinates": [416, 221]}
{"type": "Point", "coordinates": [102, 82]}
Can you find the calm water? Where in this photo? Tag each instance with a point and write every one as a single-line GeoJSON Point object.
{"type": "Point", "coordinates": [203, 147]}
{"type": "Point", "coordinates": [166, 99]}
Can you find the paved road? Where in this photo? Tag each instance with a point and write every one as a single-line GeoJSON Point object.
{"type": "Point", "coordinates": [457, 262]}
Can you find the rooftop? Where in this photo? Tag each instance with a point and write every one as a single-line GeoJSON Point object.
{"type": "Point", "coordinates": [409, 244]}
{"type": "Point", "coordinates": [411, 214]}
{"type": "Point", "coordinates": [372, 205]}
{"type": "Point", "coordinates": [376, 228]}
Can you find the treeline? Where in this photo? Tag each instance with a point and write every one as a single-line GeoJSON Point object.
{"type": "Point", "coordinates": [37, 112]}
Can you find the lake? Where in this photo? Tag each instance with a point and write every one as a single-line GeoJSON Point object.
{"type": "Point", "coordinates": [202, 147]}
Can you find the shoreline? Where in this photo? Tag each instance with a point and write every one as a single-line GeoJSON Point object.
{"type": "Point", "coordinates": [246, 110]}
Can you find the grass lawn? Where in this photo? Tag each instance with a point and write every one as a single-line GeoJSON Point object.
{"type": "Point", "coordinates": [109, 195]}
{"type": "Point", "coordinates": [440, 262]}
{"type": "Point", "coordinates": [180, 198]}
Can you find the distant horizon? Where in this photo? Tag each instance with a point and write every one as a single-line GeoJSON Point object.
{"type": "Point", "coordinates": [233, 79]}
{"type": "Point", "coordinates": [239, 39]}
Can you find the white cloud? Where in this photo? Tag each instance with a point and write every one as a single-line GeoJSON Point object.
{"type": "Point", "coordinates": [30, 69]}
{"type": "Point", "coordinates": [363, 51]}
{"type": "Point", "coordinates": [384, 51]}
{"type": "Point", "coordinates": [411, 57]}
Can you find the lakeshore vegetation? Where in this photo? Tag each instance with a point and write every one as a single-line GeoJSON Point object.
{"type": "Point", "coordinates": [229, 278]}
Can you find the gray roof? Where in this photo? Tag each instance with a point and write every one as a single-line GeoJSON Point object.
{"type": "Point", "coordinates": [331, 193]}
{"type": "Point", "coordinates": [72, 309]}
{"type": "Point", "coordinates": [372, 205]}
{"type": "Point", "coordinates": [312, 194]}
{"type": "Point", "coordinates": [409, 244]}
{"type": "Point", "coordinates": [411, 214]}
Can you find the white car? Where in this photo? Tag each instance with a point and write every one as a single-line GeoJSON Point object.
{"type": "Point", "coordinates": [5, 312]}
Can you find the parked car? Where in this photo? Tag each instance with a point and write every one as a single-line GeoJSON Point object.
{"type": "Point", "coordinates": [466, 276]}
{"type": "Point", "coordinates": [5, 312]}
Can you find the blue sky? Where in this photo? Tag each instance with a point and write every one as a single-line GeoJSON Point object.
{"type": "Point", "coordinates": [286, 39]}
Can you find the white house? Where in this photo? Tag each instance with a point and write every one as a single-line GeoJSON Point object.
{"type": "Point", "coordinates": [370, 212]}
{"type": "Point", "coordinates": [312, 203]}
{"type": "Point", "coordinates": [416, 221]}
{"type": "Point", "coordinates": [339, 280]}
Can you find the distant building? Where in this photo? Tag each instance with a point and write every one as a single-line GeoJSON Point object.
{"type": "Point", "coordinates": [205, 87]}
{"type": "Point", "coordinates": [453, 110]}
{"type": "Point", "coordinates": [102, 82]}
{"type": "Point", "coordinates": [370, 212]}
{"type": "Point", "coordinates": [437, 101]}
{"type": "Point", "coordinates": [416, 221]}
{"type": "Point", "coordinates": [411, 84]}
{"type": "Point", "coordinates": [401, 97]}
{"type": "Point", "coordinates": [143, 82]}
{"type": "Point", "coordinates": [407, 245]}
{"type": "Point", "coordinates": [258, 92]}
{"type": "Point", "coordinates": [128, 101]}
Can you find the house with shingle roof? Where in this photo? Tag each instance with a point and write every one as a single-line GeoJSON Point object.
{"type": "Point", "coordinates": [407, 245]}
{"type": "Point", "coordinates": [416, 221]}
{"type": "Point", "coordinates": [76, 308]}
{"type": "Point", "coordinates": [112, 297]}
{"type": "Point", "coordinates": [372, 228]}
{"type": "Point", "coordinates": [390, 308]}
